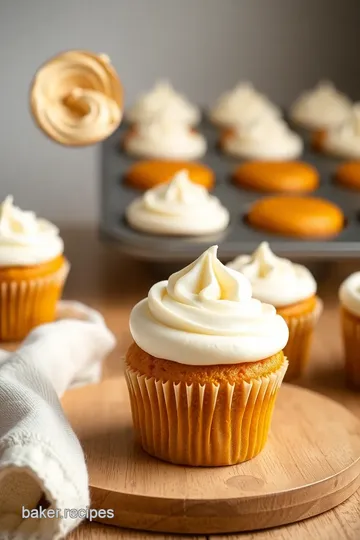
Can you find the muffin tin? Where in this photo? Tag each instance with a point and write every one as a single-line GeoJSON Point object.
{"type": "Point", "coordinates": [239, 237]}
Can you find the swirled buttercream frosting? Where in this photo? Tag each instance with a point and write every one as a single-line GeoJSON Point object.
{"type": "Point", "coordinates": [77, 98]}
{"type": "Point", "coordinates": [163, 100]}
{"type": "Point", "coordinates": [178, 207]}
{"type": "Point", "coordinates": [26, 240]}
{"type": "Point", "coordinates": [324, 107]}
{"type": "Point", "coordinates": [242, 106]}
{"type": "Point", "coordinates": [273, 279]}
{"type": "Point", "coordinates": [205, 315]}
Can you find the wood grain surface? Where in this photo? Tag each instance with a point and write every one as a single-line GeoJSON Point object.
{"type": "Point", "coordinates": [107, 281]}
{"type": "Point", "coordinates": [310, 464]}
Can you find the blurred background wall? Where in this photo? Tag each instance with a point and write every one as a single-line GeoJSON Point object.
{"type": "Point", "coordinates": [202, 46]}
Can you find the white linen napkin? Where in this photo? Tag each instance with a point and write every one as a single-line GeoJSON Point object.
{"type": "Point", "coordinates": [39, 453]}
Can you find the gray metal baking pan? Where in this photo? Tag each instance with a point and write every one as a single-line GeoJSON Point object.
{"type": "Point", "coordinates": [239, 237]}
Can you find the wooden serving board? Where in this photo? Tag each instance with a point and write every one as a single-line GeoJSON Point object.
{"type": "Point", "coordinates": [310, 465]}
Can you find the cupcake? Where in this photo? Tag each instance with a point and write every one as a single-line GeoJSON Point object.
{"type": "Point", "coordinates": [320, 109]}
{"type": "Point", "coordinates": [163, 96]}
{"type": "Point", "coordinates": [32, 271]}
{"type": "Point", "coordinates": [344, 141]}
{"type": "Point", "coordinates": [149, 173]}
{"type": "Point", "coordinates": [164, 139]}
{"type": "Point", "coordinates": [178, 207]}
{"type": "Point", "coordinates": [349, 295]}
{"type": "Point", "coordinates": [292, 290]}
{"type": "Point", "coordinates": [241, 107]}
{"type": "Point", "coordinates": [267, 139]}
{"type": "Point", "coordinates": [205, 366]}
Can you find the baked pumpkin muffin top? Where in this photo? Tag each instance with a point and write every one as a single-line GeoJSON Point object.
{"type": "Point", "coordinates": [277, 176]}
{"type": "Point", "coordinates": [302, 217]}
{"type": "Point", "coordinates": [149, 173]}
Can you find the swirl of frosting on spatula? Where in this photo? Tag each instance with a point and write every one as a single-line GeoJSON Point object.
{"type": "Point", "coordinates": [77, 98]}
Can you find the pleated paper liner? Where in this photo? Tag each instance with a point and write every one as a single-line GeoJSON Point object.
{"type": "Point", "coordinates": [202, 425]}
{"type": "Point", "coordinates": [297, 350]}
{"type": "Point", "coordinates": [28, 303]}
{"type": "Point", "coordinates": [350, 325]}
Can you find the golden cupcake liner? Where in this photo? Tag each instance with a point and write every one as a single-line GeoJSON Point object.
{"type": "Point", "coordinates": [350, 326]}
{"type": "Point", "coordinates": [29, 303]}
{"type": "Point", "coordinates": [202, 425]}
{"type": "Point", "coordinates": [297, 350]}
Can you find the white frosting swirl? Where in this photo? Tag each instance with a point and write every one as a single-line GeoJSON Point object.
{"type": "Point", "coordinates": [273, 279]}
{"type": "Point", "coordinates": [163, 99]}
{"type": "Point", "coordinates": [205, 315]}
{"type": "Point", "coordinates": [269, 139]}
{"type": "Point", "coordinates": [178, 207]}
{"type": "Point", "coordinates": [26, 240]}
{"type": "Point", "coordinates": [349, 294]}
{"type": "Point", "coordinates": [344, 141]}
{"type": "Point", "coordinates": [242, 106]}
{"type": "Point", "coordinates": [323, 107]}
{"type": "Point", "coordinates": [164, 139]}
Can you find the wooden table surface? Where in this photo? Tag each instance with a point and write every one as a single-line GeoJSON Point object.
{"type": "Point", "coordinates": [112, 283]}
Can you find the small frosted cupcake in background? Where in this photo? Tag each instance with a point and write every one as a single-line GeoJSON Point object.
{"type": "Point", "coordinates": [344, 141]}
{"type": "Point", "coordinates": [162, 138]}
{"type": "Point", "coordinates": [178, 207]}
{"type": "Point", "coordinates": [318, 110]}
{"type": "Point", "coordinates": [291, 288]}
{"type": "Point", "coordinates": [32, 271]}
{"type": "Point", "coordinates": [205, 367]}
{"type": "Point", "coordinates": [241, 107]}
{"type": "Point", "coordinates": [152, 104]}
{"type": "Point", "coordinates": [267, 139]}
{"type": "Point", "coordinates": [349, 295]}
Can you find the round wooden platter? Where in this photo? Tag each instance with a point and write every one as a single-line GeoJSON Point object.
{"type": "Point", "coordinates": [311, 464]}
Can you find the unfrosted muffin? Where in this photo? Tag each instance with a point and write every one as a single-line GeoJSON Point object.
{"type": "Point", "coordinates": [178, 207]}
{"type": "Point", "coordinates": [267, 139]}
{"type": "Point", "coordinates": [150, 173]}
{"type": "Point", "coordinates": [163, 99]}
{"type": "Point", "coordinates": [349, 295]}
{"type": "Point", "coordinates": [276, 176]}
{"type": "Point", "coordinates": [348, 175]}
{"type": "Point", "coordinates": [291, 288]}
{"type": "Point", "coordinates": [296, 216]}
{"type": "Point", "coordinates": [241, 107]}
{"type": "Point", "coordinates": [321, 108]}
{"type": "Point", "coordinates": [32, 271]}
{"type": "Point", "coordinates": [205, 367]}
{"type": "Point", "coordinates": [164, 139]}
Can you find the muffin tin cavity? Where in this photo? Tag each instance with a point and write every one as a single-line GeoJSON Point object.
{"type": "Point", "coordinates": [239, 237]}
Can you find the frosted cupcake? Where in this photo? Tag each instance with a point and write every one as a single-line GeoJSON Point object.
{"type": "Point", "coordinates": [205, 366]}
{"type": "Point", "coordinates": [178, 207]}
{"type": "Point", "coordinates": [320, 109]}
{"type": "Point", "coordinates": [164, 139]}
{"type": "Point", "coordinates": [349, 295]}
{"type": "Point", "coordinates": [32, 271]}
{"type": "Point", "coordinates": [161, 97]}
{"type": "Point", "coordinates": [241, 107]}
{"type": "Point", "coordinates": [291, 288]}
{"type": "Point", "coordinates": [268, 139]}
{"type": "Point", "coordinates": [344, 141]}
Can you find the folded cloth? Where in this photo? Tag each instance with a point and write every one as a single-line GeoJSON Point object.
{"type": "Point", "coordinates": [40, 457]}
